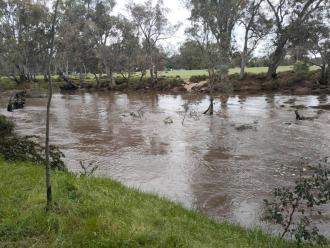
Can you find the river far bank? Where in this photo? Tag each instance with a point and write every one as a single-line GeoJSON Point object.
{"type": "Point", "coordinates": [285, 82]}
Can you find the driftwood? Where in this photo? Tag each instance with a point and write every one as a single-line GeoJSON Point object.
{"type": "Point", "coordinates": [69, 84]}
{"type": "Point", "coordinates": [303, 118]}
{"type": "Point", "coordinates": [16, 101]}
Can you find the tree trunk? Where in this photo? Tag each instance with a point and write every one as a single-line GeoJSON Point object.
{"type": "Point", "coordinates": [243, 64]}
{"type": "Point", "coordinates": [112, 80]}
{"type": "Point", "coordinates": [244, 54]}
{"type": "Point", "coordinates": [211, 82]}
{"type": "Point", "coordinates": [67, 68]}
{"type": "Point", "coordinates": [97, 81]}
{"type": "Point", "coordinates": [81, 78]}
{"type": "Point", "coordinates": [70, 85]}
{"type": "Point", "coordinates": [152, 77]}
{"type": "Point", "coordinates": [50, 94]}
{"type": "Point", "coordinates": [276, 58]}
{"type": "Point", "coordinates": [109, 73]}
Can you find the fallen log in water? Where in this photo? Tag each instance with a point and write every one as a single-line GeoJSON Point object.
{"type": "Point", "coordinates": [69, 84]}
{"type": "Point", "coordinates": [303, 118]}
{"type": "Point", "coordinates": [16, 101]}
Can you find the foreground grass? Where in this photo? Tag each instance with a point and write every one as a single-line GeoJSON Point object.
{"type": "Point", "coordinates": [95, 212]}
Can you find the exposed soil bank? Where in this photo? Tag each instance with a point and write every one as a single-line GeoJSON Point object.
{"type": "Point", "coordinates": [285, 83]}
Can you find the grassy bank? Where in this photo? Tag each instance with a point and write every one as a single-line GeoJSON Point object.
{"type": "Point", "coordinates": [167, 80]}
{"type": "Point", "coordinates": [94, 212]}
{"type": "Point", "coordinates": [186, 74]}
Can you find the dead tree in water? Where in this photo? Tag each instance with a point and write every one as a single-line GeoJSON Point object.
{"type": "Point", "coordinates": [212, 78]}
{"type": "Point", "coordinates": [70, 85]}
{"type": "Point", "coordinates": [16, 101]}
{"type": "Point", "coordinates": [303, 118]}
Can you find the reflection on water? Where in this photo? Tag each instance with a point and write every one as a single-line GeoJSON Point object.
{"type": "Point", "coordinates": [205, 163]}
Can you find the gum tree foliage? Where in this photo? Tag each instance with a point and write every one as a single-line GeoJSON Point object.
{"type": "Point", "coordinates": [153, 27]}
{"type": "Point", "coordinates": [256, 26]}
{"type": "Point", "coordinates": [128, 47]}
{"type": "Point", "coordinates": [289, 18]}
{"type": "Point", "coordinates": [191, 56]}
{"type": "Point", "coordinates": [22, 39]}
{"type": "Point", "coordinates": [294, 208]}
{"type": "Point", "coordinates": [319, 46]}
{"type": "Point", "coordinates": [85, 34]}
{"type": "Point", "coordinates": [218, 18]}
{"type": "Point", "coordinates": [210, 54]}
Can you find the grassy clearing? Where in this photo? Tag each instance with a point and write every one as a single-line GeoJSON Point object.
{"type": "Point", "coordinates": [186, 74]}
{"type": "Point", "coordinates": [95, 212]}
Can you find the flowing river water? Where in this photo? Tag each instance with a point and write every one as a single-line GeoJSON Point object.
{"type": "Point", "coordinates": [213, 164]}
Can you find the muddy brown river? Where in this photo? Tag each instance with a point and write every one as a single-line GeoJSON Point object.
{"type": "Point", "coordinates": [213, 164]}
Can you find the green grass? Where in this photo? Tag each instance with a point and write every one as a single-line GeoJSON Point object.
{"type": "Point", "coordinates": [95, 212]}
{"type": "Point", "coordinates": [186, 74]}
{"type": "Point", "coordinates": [8, 84]}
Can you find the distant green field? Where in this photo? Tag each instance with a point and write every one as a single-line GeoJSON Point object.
{"type": "Point", "coordinates": [6, 83]}
{"type": "Point", "coordinates": [186, 74]}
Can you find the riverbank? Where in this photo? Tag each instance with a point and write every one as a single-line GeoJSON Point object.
{"type": "Point", "coordinates": [286, 82]}
{"type": "Point", "coordinates": [96, 212]}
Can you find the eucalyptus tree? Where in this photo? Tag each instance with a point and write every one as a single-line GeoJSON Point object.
{"type": "Point", "coordinates": [256, 27]}
{"type": "Point", "coordinates": [103, 27]}
{"type": "Point", "coordinates": [200, 34]}
{"type": "Point", "coordinates": [191, 56]}
{"type": "Point", "coordinates": [289, 17]}
{"type": "Point", "coordinates": [50, 93]}
{"type": "Point", "coordinates": [319, 46]}
{"type": "Point", "coordinates": [153, 27]}
{"type": "Point", "coordinates": [23, 42]}
{"type": "Point", "coordinates": [219, 18]}
{"type": "Point", "coordinates": [129, 48]}
{"type": "Point", "coordinates": [74, 45]}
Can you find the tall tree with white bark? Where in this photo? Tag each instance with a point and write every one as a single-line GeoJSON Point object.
{"type": "Point", "coordinates": [153, 27]}
{"type": "Point", "coordinates": [256, 27]}
{"type": "Point", "coordinates": [50, 93]}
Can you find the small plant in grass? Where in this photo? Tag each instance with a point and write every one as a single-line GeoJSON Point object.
{"type": "Point", "coordinates": [6, 126]}
{"type": "Point", "coordinates": [88, 169]}
{"type": "Point", "coordinates": [186, 108]}
{"type": "Point", "coordinates": [301, 68]}
{"type": "Point", "coordinates": [294, 208]}
{"type": "Point", "coordinates": [26, 148]}
{"type": "Point", "coordinates": [198, 78]}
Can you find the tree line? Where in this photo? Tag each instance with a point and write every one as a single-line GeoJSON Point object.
{"type": "Point", "coordinates": [91, 38]}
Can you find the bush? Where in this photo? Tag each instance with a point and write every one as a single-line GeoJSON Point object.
{"type": "Point", "coordinates": [294, 208]}
{"type": "Point", "coordinates": [16, 148]}
{"type": "Point", "coordinates": [168, 83]}
{"type": "Point", "coordinates": [198, 78]}
{"type": "Point", "coordinates": [6, 126]}
{"type": "Point", "coordinates": [301, 68]}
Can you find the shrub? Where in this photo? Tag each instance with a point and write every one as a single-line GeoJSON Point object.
{"type": "Point", "coordinates": [16, 148]}
{"type": "Point", "coordinates": [6, 126]}
{"type": "Point", "coordinates": [293, 208]}
{"type": "Point", "coordinates": [301, 68]}
{"type": "Point", "coordinates": [198, 78]}
{"type": "Point", "coordinates": [169, 83]}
